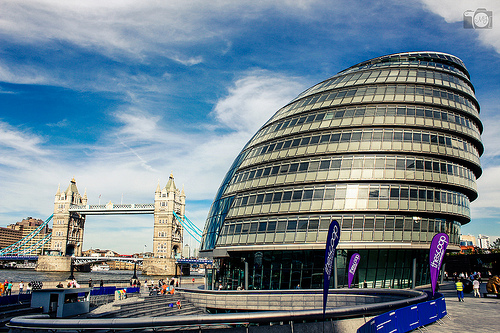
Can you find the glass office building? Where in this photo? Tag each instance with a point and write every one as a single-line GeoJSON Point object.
{"type": "Point", "coordinates": [389, 148]}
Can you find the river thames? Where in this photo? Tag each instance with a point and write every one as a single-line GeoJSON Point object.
{"type": "Point", "coordinates": [26, 275]}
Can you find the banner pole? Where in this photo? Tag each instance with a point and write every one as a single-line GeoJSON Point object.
{"type": "Point", "coordinates": [335, 285]}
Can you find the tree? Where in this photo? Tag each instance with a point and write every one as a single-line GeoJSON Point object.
{"type": "Point", "coordinates": [495, 246]}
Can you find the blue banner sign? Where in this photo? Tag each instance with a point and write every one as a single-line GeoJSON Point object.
{"type": "Point", "coordinates": [438, 248]}
{"type": "Point", "coordinates": [330, 252]}
{"type": "Point", "coordinates": [353, 264]}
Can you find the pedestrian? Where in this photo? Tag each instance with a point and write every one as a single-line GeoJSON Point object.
{"type": "Point", "coordinates": [21, 287]}
{"type": "Point", "coordinates": [9, 288]}
{"type": "Point", "coordinates": [90, 283]}
{"type": "Point", "coordinates": [460, 290]}
{"type": "Point", "coordinates": [193, 280]}
{"type": "Point", "coordinates": [101, 284]}
{"type": "Point", "coordinates": [28, 288]}
{"type": "Point", "coordinates": [179, 304]}
{"type": "Point", "coordinates": [365, 284]}
{"type": "Point", "coordinates": [475, 286]}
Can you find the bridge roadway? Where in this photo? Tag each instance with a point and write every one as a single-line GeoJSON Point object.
{"type": "Point", "coordinates": [85, 260]}
{"type": "Point", "coordinates": [114, 209]}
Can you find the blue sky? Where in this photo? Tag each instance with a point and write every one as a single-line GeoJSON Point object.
{"type": "Point", "coordinates": [118, 94]}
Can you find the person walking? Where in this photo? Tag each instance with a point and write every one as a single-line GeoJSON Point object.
{"type": "Point", "coordinates": [9, 289]}
{"type": "Point", "coordinates": [475, 286]}
{"type": "Point", "coordinates": [460, 290]}
{"type": "Point", "coordinates": [21, 287]}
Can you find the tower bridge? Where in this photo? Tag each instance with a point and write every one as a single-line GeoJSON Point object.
{"type": "Point", "coordinates": [71, 210]}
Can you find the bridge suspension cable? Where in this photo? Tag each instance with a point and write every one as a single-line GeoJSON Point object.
{"type": "Point", "coordinates": [19, 247]}
{"type": "Point", "coordinates": [188, 228]}
{"type": "Point", "coordinates": [193, 225]}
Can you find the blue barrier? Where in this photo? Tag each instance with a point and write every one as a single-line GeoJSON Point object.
{"type": "Point", "coordinates": [427, 312]}
{"type": "Point", "coordinates": [111, 290]}
{"type": "Point", "coordinates": [386, 322]}
{"type": "Point", "coordinates": [13, 299]}
{"type": "Point", "coordinates": [408, 318]}
{"type": "Point", "coordinates": [441, 305]}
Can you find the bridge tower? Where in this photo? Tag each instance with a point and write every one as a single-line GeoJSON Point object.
{"type": "Point", "coordinates": [168, 232]}
{"type": "Point", "coordinates": [67, 227]}
{"type": "Point", "coordinates": [67, 231]}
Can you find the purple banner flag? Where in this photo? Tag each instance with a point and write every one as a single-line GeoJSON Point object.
{"type": "Point", "coordinates": [353, 264]}
{"type": "Point", "coordinates": [438, 248]}
{"type": "Point", "coordinates": [330, 252]}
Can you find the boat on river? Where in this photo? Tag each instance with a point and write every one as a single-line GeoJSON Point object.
{"type": "Point", "coordinates": [100, 268]}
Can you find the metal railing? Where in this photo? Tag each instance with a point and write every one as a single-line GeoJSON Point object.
{"type": "Point", "coordinates": [259, 318]}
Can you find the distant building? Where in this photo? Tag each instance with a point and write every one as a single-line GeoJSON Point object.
{"type": "Point", "coordinates": [25, 228]}
{"type": "Point", "coordinates": [467, 244]}
{"type": "Point", "coordinates": [467, 240]}
{"type": "Point", "coordinates": [483, 242]}
{"type": "Point", "coordinates": [186, 252]}
{"type": "Point", "coordinates": [9, 236]}
{"type": "Point", "coordinates": [120, 265]}
{"type": "Point", "coordinates": [99, 253]}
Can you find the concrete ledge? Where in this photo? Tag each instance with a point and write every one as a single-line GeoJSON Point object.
{"type": "Point", "coordinates": [295, 299]}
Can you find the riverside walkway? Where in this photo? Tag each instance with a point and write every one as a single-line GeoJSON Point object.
{"type": "Point", "coordinates": [472, 315]}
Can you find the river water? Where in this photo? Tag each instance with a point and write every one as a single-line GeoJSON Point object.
{"type": "Point", "coordinates": [26, 275]}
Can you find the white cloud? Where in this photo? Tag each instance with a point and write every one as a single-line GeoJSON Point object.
{"type": "Point", "coordinates": [21, 141]}
{"type": "Point", "coordinates": [453, 11]}
{"type": "Point", "coordinates": [138, 125]}
{"type": "Point", "coordinates": [132, 27]}
{"type": "Point", "coordinates": [488, 187]}
{"type": "Point", "coordinates": [24, 74]}
{"type": "Point", "coordinates": [254, 98]}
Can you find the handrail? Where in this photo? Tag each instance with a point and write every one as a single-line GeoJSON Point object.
{"type": "Point", "coordinates": [43, 322]}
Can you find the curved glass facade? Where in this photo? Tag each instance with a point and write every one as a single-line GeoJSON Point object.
{"type": "Point", "coordinates": [389, 148]}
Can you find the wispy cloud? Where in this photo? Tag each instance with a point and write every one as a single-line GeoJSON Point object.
{"type": "Point", "coordinates": [254, 98]}
{"type": "Point", "coordinates": [61, 124]}
{"type": "Point", "coordinates": [132, 28]}
{"type": "Point", "coordinates": [23, 142]}
{"type": "Point", "coordinates": [453, 10]}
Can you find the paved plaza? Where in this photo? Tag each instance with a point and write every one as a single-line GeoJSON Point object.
{"type": "Point", "coordinates": [473, 315]}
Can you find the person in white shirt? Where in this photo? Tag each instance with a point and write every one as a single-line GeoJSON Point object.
{"type": "Point", "coordinates": [21, 287]}
{"type": "Point", "coordinates": [475, 287]}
